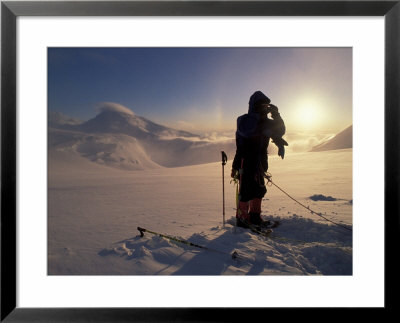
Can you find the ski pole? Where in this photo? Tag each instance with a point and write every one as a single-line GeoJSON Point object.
{"type": "Point", "coordinates": [240, 184]}
{"type": "Point", "coordinates": [234, 255]}
{"type": "Point", "coordinates": [142, 230]}
{"type": "Point", "coordinates": [224, 160]}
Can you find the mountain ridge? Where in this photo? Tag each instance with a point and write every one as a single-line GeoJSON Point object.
{"type": "Point", "coordinates": [342, 140]}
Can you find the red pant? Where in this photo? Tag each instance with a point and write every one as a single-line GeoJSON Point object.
{"type": "Point", "coordinates": [253, 206]}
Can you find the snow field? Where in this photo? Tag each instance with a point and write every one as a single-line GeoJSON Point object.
{"type": "Point", "coordinates": [93, 220]}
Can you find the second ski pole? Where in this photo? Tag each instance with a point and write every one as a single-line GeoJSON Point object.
{"type": "Point", "coordinates": [224, 160]}
{"type": "Point", "coordinates": [234, 255]}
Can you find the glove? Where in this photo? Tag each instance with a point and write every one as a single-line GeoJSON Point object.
{"type": "Point", "coordinates": [273, 109]}
{"type": "Point", "coordinates": [281, 151]}
{"type": "Point", "coordinates": [281, 143]}
{"type": "Point", "coordinates": [233, 173]}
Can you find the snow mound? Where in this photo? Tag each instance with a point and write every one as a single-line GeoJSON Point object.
{"type": "Point", "coordinates": [321, 197]}
{"type": "Point", "coordinates": [316, 249]}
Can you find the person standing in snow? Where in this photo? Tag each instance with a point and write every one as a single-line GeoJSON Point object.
{"type": "Point", "coordinates": [253, 134]}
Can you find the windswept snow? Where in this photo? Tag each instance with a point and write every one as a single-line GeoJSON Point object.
{"type": "Point", "coordinates": [73, 151]}
{"type": "Point", "coordinates": [237, 251]}
{"type": "Point", "coordinates": [94, 215]}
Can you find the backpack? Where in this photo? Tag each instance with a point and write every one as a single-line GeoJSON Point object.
{"type": "Point", "coordinates": [248, 129]}
{"type": "Point", "coordinates": [251, 144]}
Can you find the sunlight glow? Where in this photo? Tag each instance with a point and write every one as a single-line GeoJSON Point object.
{"type": "Point", "coordinates": [308, 114]}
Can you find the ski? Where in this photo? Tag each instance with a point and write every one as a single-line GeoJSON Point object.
{"type": "Point", "coordinates": [261, 231]}
{"type": "Point", "coordinates": [256, 229]}
{"type": "Point", "coordinates": [269, 224]}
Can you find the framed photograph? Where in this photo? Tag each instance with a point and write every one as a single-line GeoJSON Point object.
{"type": "Point", "coordinates": [176, 160]}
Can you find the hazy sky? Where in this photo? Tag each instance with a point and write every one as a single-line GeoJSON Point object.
{"type": "Point", "coordinates": [205, 88]}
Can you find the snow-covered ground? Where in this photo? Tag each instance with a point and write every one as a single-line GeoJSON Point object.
{"type": "Point", "coordinates": [94, 212]}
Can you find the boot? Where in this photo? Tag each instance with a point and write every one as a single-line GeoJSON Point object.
{"type": "Point", "coordinates": [255, 218]}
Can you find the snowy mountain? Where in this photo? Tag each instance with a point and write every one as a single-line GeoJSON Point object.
{"type": "Point", "coordinates": [120, 139]}
{"type": "Point", "coordinates": [114, 119]}
{"type": "Point", "coordinates": [342, 140]}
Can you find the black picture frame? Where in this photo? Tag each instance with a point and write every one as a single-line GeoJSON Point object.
{"type": "Point", "coordinates": [10, 10]}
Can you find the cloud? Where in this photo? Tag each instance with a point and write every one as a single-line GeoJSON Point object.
{"type": "Point", "coordinates": [302, 145]}
{"type": "Point", "coordinates": [302, 142]}
{"type": "Point", "coordinates": [113, 107]}
{"type": "Point", "coordinates": [184, 125]}
{"type": "Point", "coordinates": [219, 135]}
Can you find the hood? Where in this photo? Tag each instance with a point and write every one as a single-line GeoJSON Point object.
{"type": "Point", "coordinates": [257, 96]}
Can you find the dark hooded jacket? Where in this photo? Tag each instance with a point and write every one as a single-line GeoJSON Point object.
{"type": "Point", "coordinates": [253, 134]}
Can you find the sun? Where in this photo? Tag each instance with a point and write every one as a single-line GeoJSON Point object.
{"type": "Point", "coordinates": [308, 114]}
